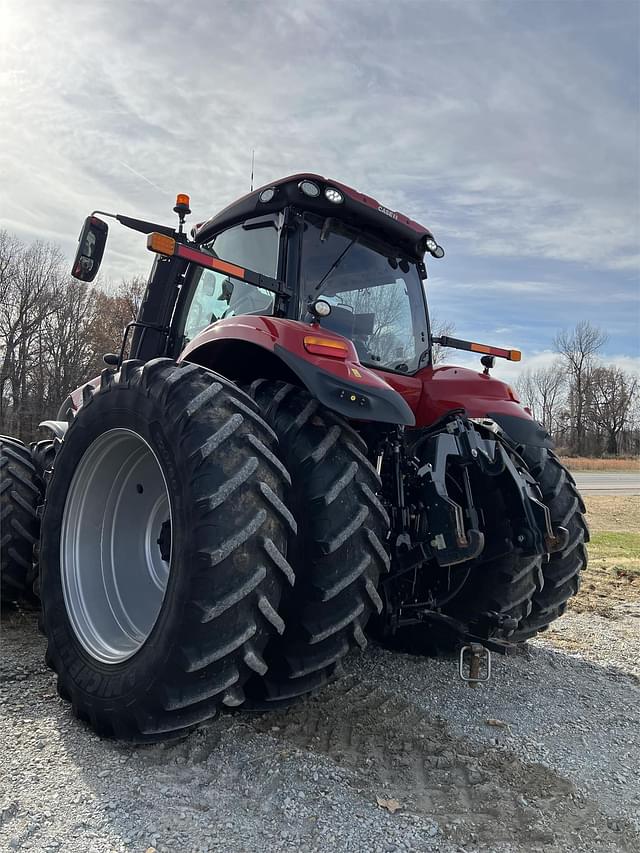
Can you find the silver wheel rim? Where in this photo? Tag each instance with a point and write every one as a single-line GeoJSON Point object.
{"type": "Point", "coordinates": [114, 577]}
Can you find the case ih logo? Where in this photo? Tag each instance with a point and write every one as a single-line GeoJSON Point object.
{"type": "Point", "coordinates": [387, 212]}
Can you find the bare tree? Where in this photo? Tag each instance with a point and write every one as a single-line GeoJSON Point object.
{"type": "Point", "coordinates": [578, 348]}
{"type": "Point", "coordinates": [53, 331]}
{"type": "Point", "coordinates": [30, 282]}
{"type": "Point", "coordinates": [543, 391]}
{"type": "Point", "coordinates": [66, 343]}
{"type": "Point", "coordinates": [130, 292]}
{"type": "Point", "coordinates": [440, 328]}
{"type": "Point", "coordinates": [611, 395]}
{"type": "Point", "coordinates": [111, 314]}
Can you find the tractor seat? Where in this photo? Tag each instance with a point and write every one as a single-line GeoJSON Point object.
{"type": "Point", "coordinates": [346, 323]}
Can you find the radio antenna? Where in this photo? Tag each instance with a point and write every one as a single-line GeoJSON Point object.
{"type": "Point", "coordinates": [253, 160]}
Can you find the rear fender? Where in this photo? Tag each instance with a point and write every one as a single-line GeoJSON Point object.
{"type": "Point", "coordinates": [523, 431]}
{"type": "Point", "coordinates": [250, 347]}
{"type": "Point", "coordinates": [481, 396]}
{"type": "Point", "coordinates": [58, 429]}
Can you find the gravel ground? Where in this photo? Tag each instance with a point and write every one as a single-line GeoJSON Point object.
{"type": "Point", "coordinates": [399, 755]}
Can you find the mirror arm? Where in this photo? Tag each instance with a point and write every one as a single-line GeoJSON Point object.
{"type": "Point", "coordinates": [140, 225]}
{"type": "Point", "coordinates": [146, 227]}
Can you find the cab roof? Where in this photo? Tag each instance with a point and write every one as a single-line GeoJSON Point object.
{"type": "Point", "coordinates": [356, 209]}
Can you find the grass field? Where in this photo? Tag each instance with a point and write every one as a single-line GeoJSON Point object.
{"type": "Point", "coordinates": [620, 551]}
{"type": "Point", "coordinates": [612, 578]}
{"type": "Point", "coordinates": [583, 463]}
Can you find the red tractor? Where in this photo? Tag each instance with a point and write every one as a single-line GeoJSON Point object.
{"type": "Point", "coordinates": [278, 468]}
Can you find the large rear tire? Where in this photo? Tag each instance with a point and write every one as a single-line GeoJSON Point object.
{"type": "Point", "coordinates": [163, 549]}
{"type": "Point", "coordinates": [561, 571]}
{"type": "Point", "coordinates": [20, 494]}
{"type": "Point", "coordinates": [339, 551]}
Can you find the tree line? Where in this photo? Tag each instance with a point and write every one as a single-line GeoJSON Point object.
{"type": "Point", "coordinates": [591, 408]}
{"type": "Point", "coordinates": [54, 331]}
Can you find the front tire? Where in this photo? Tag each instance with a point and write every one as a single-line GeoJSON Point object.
{"type": "Point", "coordinates": [163, 547]}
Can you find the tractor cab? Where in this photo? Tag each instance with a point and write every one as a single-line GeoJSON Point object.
{"type": "Point", "coordinates": [348, 264]}
{"type": "Point", "coordinates": [346, 281]}
{"type": "Point", "coordinates": [318, 251]}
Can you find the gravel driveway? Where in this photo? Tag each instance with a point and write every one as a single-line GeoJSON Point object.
{"type": "Point", "coordinates": [399, 755]}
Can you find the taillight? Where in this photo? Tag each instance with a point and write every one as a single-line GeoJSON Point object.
{"type": "Point", "coordinates": [325, 346]}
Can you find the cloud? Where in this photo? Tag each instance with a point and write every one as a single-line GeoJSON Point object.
{"type": "Point", "coordinates": [510, 129]}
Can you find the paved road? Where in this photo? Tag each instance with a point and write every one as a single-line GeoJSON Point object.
{"type": "Point", "coordinates": [608, 482]}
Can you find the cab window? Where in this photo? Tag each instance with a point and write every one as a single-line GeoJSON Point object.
{"type": "Point", "coordinates": [213, 295]}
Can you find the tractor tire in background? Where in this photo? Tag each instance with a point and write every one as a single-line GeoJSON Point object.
{"type": "Point", "coordinates": [163, 549]}
{"type": "Point", "coordinates": [43, 453]}
{"type": "Point", "coordinates": [339, 551]}
{"type": "Point", "coordinates": [561, 571]}
{"type": "Point", "coordinates": [20, 494]}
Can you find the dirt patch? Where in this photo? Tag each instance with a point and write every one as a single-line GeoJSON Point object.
{"type": "Point", "coordinates": [585, 463]}
{"type": "Point", "coordinates": [395, 752]}
{"type": "Point", "coordinates": [610, 513]}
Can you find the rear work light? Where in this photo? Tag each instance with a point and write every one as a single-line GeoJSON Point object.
{"type": "Point", "coordinates": [309, 188]}
{"type": "Point", "coordinates": [325, 346]}
{"type": "Point", "coordinates": [333, 195]}
{"type": "Point", "coordinates": [433, 248]}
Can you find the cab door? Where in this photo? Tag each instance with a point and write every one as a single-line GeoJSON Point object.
{"type": "Point", "coordinates": [209, 296]}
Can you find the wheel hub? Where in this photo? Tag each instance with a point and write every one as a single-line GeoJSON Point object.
{"type": "Point", "coordinates": [115, 551]}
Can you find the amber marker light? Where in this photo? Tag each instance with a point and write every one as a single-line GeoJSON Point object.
{"type": "Point", "coordinates": [510, 354]}
{"type": "Point", "coordinates": [161, 244]}
{"type": "Point", "coordinates": [325, 346]}
{"type": "Point", "coordinates": [471, 346]}
{"type": "Point", "coordinates": [481, 348]}
{"type": "Point", "coordinates": [182, 199]}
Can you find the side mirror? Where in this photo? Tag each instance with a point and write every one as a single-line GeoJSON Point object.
{"type": "Point", "coordinates": [91, 243]}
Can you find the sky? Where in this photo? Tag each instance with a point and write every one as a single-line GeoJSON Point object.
{"type": "Point", "coordinates": [510, 128]}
